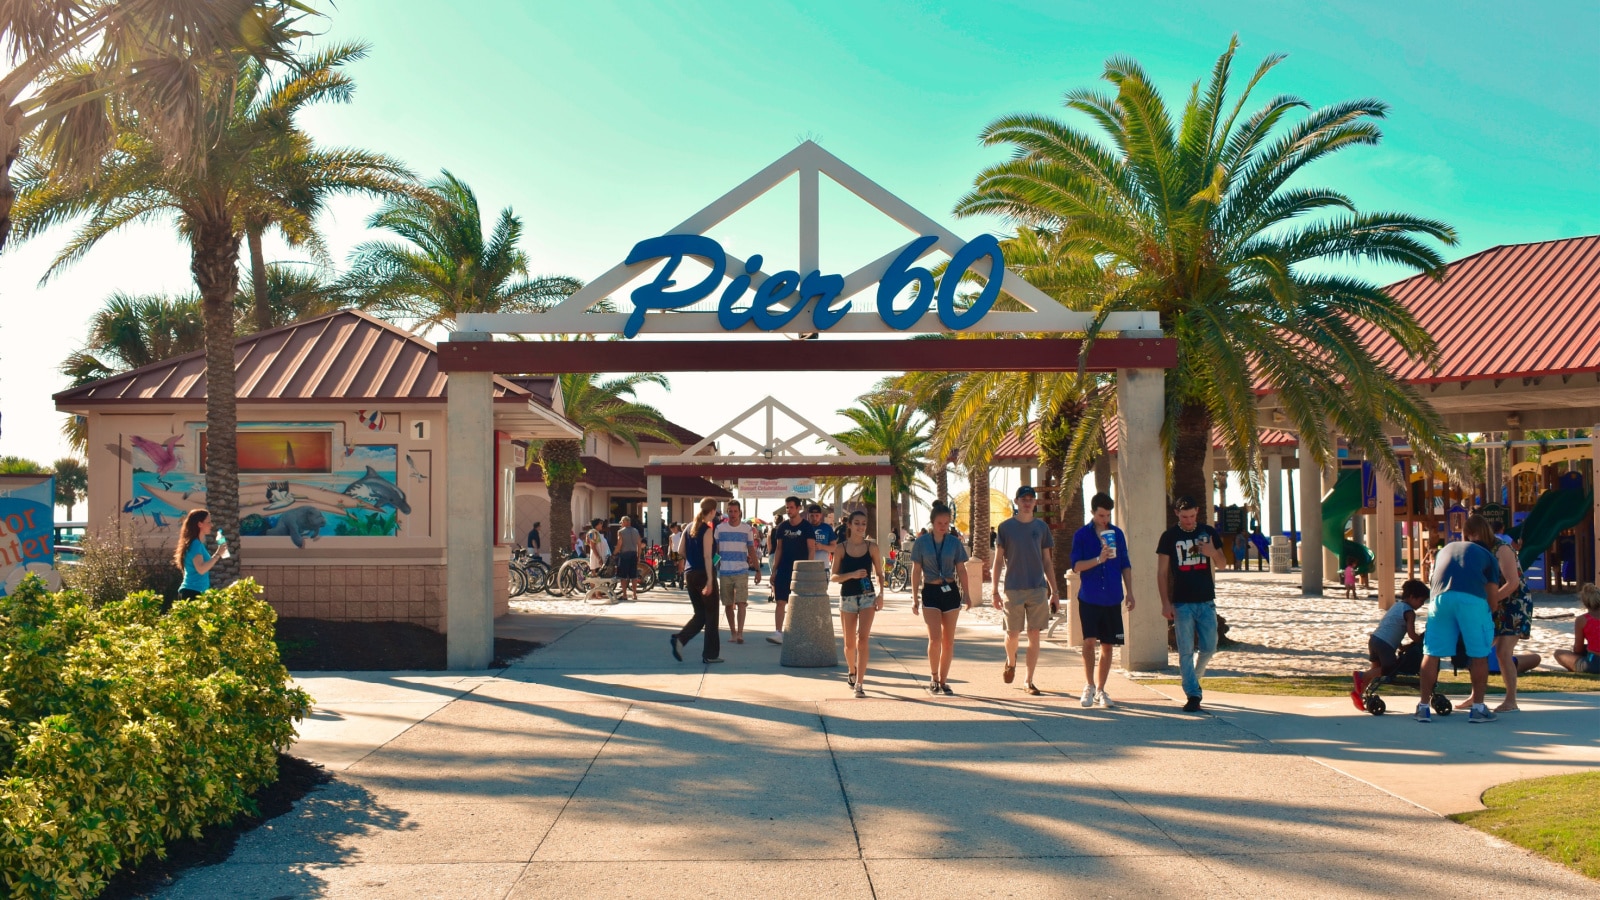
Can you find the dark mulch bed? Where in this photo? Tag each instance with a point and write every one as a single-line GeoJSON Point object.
{"type": "Point", "coordinates": [296, 778]}
{"type": "Point", "coordinates": [317, 645]}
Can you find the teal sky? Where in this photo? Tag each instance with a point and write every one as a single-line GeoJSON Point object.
{"type": "Point", "coordinates": [604, 123]}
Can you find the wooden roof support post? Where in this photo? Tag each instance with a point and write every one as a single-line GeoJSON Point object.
{"type": "Point", "coordinates": [1142, 505]}
{"type": "Point", "coordinates": [1310, 525]}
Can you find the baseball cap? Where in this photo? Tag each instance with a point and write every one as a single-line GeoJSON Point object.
{"type": "Point", "coordinates": [1026, 491]}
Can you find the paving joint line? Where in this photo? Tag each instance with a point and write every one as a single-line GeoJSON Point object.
{"type": "Point", "coordinates": [579, 786]}
{"type": "Point", "coordinates": [849, 811]}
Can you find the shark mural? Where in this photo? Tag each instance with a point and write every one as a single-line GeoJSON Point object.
{"type": "Point", "coordinates": [360, 497]}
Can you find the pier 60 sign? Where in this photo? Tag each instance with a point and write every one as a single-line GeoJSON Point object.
{"type": "Point", "coordinates": [783, 296]}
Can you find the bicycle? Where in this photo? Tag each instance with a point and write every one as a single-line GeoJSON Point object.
{"type": "Point", "coordinates": [899, 577]}
{"type": "Point", "coordinates": [528, 570]}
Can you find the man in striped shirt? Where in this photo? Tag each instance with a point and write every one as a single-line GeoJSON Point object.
{"type": "Point", "coordinates": [735, 541]}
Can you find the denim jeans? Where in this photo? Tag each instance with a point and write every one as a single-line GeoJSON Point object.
{"type": "Point", "coordinates": [1192, 622]}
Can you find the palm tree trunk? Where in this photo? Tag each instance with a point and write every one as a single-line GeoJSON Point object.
{"type": "Point", "coordinates": [215, 263]}
{"type": "Point", "coordinates": [941, 482]}
{"type": "Point", "coordinates": [980, 514]}
{"type": "Point", "coordinates": [562, 462]}
{"type": "Point", "coordinates": [1189, 462]}
{"type": "Point", "coordinates": [258, 280]}
{"type": "Point", "coordinates": [8, 191]}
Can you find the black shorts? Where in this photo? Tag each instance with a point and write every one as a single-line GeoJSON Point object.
{"type": "Point", "coordinates": [186, 594]}
{"type": "Point", "coordinates": [1383, 656]}
{"type": "Point", "coordinates": [628, 565]}
{"type": "Point", "coordinates": [943, 597]}
{"type": "Point", "coordinates": [782, 583]}
{"type": "Point", "coordinates": [1101, 623]}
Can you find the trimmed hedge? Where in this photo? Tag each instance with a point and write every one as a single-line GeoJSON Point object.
{"type": "Point", "coordinates": [122, 728]}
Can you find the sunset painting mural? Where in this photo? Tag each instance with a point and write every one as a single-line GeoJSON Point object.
{"type": "Point", "coordinates": [292, 484]}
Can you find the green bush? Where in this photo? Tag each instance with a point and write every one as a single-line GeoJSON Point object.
{"type": "Point", "coordinates": [122, 728]}
{"type": "Point", "coordinates": [115, 562]}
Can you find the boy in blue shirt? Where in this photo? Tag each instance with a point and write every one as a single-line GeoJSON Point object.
{"type": "Point", "coordinates": [1105, 585]}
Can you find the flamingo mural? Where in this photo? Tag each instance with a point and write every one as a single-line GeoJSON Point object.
{"type": "Point", "coordinates": [163, 456]}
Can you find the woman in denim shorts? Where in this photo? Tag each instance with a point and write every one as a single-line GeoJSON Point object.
{"type": "Point", "coordinates": [854, 560]}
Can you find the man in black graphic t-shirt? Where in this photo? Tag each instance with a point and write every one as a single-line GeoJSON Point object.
{"type": "Point", "coordinates": [791, 540]}
{"type": "Point", "coordinates": [1186, 558]}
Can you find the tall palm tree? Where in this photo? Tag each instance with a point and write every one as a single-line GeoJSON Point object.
{"type": "Point", "coordinates": [446, 267]}
{"type": "Point", "coordinates": [895, 430]}
{"type": "Point", "coordinates": [606, 408]}
{"type": "Point", "coordinates": [293, 291]}
{"type": "Point", "coordinates": [72, 482]}
{"type": "Point", "coordinates": [243, 121]}
{"type": "Point", "coordinates": [147, 55]}
{"type": "Point", "coordinates": [1195, 220]}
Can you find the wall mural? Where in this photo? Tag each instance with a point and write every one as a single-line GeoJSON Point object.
{"type": "Point", "coordinates": [312, 495]}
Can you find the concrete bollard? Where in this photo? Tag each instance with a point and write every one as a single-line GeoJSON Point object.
{"type": "Point", "coordinates": [808, 630]}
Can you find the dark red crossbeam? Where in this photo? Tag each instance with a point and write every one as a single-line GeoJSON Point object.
{"type": "Point", "coordinates": [772, 470]}
{"type": "Point", "coordinates": [734, 355]}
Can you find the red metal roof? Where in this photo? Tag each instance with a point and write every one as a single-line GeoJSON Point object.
{"type": "Point", "coordinates": [346, 356]}
{"type": "Point", "coordinates": [600, 474]}
{"type": "Point", "coordinates": [1513, 311]}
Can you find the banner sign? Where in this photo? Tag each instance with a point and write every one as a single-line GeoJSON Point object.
{"type": "Point", "coordinates": [804, 488]}
{"type": "Point", "coordinates": [27, 530]}
{"type": "Point", "coordinates": [785, 295]}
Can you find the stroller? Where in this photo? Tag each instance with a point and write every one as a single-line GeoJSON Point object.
{"type": "Point", "coordinates": [1409, 664]}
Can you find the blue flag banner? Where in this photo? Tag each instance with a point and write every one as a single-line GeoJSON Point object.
{"type": "Point", "coordinates": [27, 530]}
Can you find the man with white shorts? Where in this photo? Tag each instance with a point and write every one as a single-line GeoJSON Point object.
{"type": "Point", "coordinates": [1024, 552]}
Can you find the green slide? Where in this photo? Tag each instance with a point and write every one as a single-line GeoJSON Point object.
{"type": "Point", "coordinates": [1553, 513]}
{"type": "Point", "coordinates": [1337, 507]}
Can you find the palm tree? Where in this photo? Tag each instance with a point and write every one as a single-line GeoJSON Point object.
{"type": "Point", "coordinates": [147, 55]}
{"type": "Point", "coordinates": [1195, 221]}
{"type": "Point", "coordinates": [72, 482]}
{"type": "Point", "coordinates": [243, 121]}
{"type": "Point", "coordinates": [606, 408]}
{"type": "Point", "coordinates": [446, 267]}
{"type": "Point", "coordinates": [895, 430]}
{"type": "Point", "coordinates": [293, 291]}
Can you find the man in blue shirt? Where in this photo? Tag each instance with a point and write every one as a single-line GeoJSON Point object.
{"type": "Point", "coordinates": [791, 540]}
{"type": "Point", "coordinates": [1105, 585]}
{"type": "Point", "coordinates": [822, 533]}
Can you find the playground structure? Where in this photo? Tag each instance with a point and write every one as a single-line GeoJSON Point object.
{"type": "Point", "coordinates": [1549, 514]}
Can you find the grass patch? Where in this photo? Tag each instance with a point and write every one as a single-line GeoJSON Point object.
{"type": "Point", "coordinates": [1555, 817]}
{"type": "Point", "coordinates": [1339, 685]}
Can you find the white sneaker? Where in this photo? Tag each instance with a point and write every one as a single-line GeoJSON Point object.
{"type": "Point", "coordinates": [1102, 700]}
{"type": "Point", "coordinates": [1087, 700]}
{"type": "Point", "coordinates": [775, 638]}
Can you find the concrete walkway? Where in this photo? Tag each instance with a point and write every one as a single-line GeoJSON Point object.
{"type": "Point", "coordinates": [598, 766]}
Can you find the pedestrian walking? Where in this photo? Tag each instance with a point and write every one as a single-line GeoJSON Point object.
{"type": "Point", "coordinates": [535, 539]}
{"type": "Point", "coordinates": [1468, 584]}
{"type": "Point", "coordinates": [1186, 560]}
{"type": "Point", "coordinates": [791, 541]}
{"type": "Point", "coordinates": [855, 560]}
{"type": "Point", "coordinates": [936, 595]}
{"type": "Point", "coordinates": [1024, 554]}
{"type": "Point", "coordinates": [192, 558]}
{"type": "Point", "coordinates": [698, 548]}
{"type": "Point", "coordinates": [823, 536]}
{"type": "Point", "coordinates": [737, 556]}
{"type": "Point", "coordinates": [1513, 621]}
{"type": "Point", "coordinates": [1105, 586]}
{"type": "Point", "coordinates": [628, 540]}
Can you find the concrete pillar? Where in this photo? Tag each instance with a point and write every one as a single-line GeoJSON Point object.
{"type": "Point", "coordinates": [654, 533]}
{"type": "Point", "coordinates": [1383, 535]}
{"type": "Point", "coordinates": [1274, 521]}
{"type": "Point", "coordinates": [1310, 526]}
{"type": "Point", "coordinates": [1208, 505]}
{"type": "Point", "coordinates": [469, 525]}
{"type": "Point", "coordinates": [1330, 560]}
{"type": "Point", "coordinates": [1142, 506]}
{"type": "Point", "coordinates": [885, 502]}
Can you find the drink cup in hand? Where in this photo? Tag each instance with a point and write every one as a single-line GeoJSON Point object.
{"type": "Point", "coordinates": [1109, 538]}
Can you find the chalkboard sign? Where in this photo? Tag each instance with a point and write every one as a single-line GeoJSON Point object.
{"type": "Point", "coordinates": [1496, 514]}
{"type": "Point", "coordinates": [1231, 519]}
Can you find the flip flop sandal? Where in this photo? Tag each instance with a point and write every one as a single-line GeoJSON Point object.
{"type": "Point", "coordinates": [1009, 674]}
{"type": "Point", "coordinates": [1034, 691]}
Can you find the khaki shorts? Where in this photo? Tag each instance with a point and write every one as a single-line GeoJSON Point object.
{"type": "Point", "coordinates": [735, 589]}
{"type": "Point", "coordinates": [1029, 607]}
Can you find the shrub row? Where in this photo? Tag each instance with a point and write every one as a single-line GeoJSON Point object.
{"type": "Point", "coordinates": [122, 728]}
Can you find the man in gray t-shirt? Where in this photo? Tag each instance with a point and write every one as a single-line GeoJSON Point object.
{"type": "Point", "coordinates": [628, 558]}
{"type": "Point", "coordinates": [1024, 553]}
